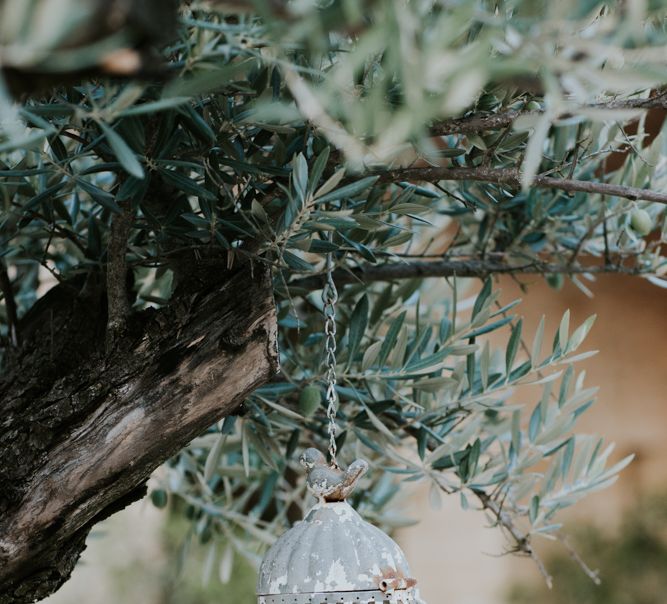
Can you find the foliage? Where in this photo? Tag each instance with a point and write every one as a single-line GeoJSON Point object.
{"type": "Point", "coordinates": [285, 134]}
{"type": "Point", "coordinates": [203, 573]}
{"type": "Point", "coordinates": [631, 563]}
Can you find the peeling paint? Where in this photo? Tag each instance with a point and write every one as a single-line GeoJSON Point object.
{"type": "Point", "coordinates": [278, 583]}
{"type": "Point", "coordinates": [334, 556]}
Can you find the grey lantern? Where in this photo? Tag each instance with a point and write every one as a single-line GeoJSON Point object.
{"type": "Point", "coordinates": [334, 556]}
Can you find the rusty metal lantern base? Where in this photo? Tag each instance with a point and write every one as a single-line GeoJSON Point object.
{"type": "Point", "coordinates": [404, 596]}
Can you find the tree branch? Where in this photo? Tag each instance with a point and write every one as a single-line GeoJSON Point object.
{"type": "Point", "coordinates": [512, 177]}
{"type": "Point", "coordinates": [521, 540]}
{"type": "Point", "coordinates": [75, 446]}
{"type": "Point", "coordinates": [475, 122]}
{"type": "Point", "coordinates": [366, 273]}
{"type": "Point", "coordinates": [593, 575]}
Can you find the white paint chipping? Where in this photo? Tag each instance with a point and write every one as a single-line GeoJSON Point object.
{"type": "Point", "coordinates": [336, 578]}
{"type": "Point", "coordinates": [277, 583]}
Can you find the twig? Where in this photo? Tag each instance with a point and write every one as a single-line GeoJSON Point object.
{"type": "Point", "coordinates": [366, 273]}
{"type": "Point", "coordinates": [64, 233]}
{"type": "Point", "coordinates": [593, 575]}
{"type": "Point", "coordinates": [10, 304]}
{"type": "Point", "coordinates": [521, 540]}
{"type": "Point", "coordinates": [118, 301]}
{"type": "Point", "coordinates": [607, 255]}
{"type": "Point", "coordinates": [479, 123]}
{"type": "Point", "coordinates": [512, 177]}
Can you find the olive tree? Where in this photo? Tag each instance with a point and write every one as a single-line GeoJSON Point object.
{"type": "Point", "coordinates": [173, 177]}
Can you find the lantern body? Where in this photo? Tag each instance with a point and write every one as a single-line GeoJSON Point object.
{"type": "Point", "coordinates": [334, 556]}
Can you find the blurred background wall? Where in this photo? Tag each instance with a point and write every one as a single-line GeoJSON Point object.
{"type": "Point", "coordinates": [133, 558]}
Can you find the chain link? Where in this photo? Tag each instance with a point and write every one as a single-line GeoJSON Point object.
{"type": "Point", "coordinates": [329, 299]}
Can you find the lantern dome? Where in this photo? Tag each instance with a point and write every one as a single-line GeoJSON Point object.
{"type": "Point", "coordinates": [334, 556]}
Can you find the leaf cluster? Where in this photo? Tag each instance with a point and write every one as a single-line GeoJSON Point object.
{"type": "Point", "coordinates": [283, 137]}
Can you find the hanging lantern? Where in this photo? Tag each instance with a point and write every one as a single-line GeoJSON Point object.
{"type": "Point", "coordinates": [334, 556]}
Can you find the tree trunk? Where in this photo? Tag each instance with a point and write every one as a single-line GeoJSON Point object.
{"type": "Point", "coordinates": [82, 428]}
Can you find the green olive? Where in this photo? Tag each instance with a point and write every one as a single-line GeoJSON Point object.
{"type": "Point", "coordinates": [309, 400]}
{"type": "Point", "coordinates": [159, 498]}
{"type": "Point", "coordinates": [641, 221]}
{"type": "Point", "coordinates": [555, 281]}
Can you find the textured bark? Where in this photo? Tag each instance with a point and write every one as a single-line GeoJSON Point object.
{"type": "Point", "coordinates": [82, 428]}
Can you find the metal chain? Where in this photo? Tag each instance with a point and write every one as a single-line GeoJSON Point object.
{"type": "Point", "coordinates": [329, 298]}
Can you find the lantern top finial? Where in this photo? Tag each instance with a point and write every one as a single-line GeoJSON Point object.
{"type": "Point", "coordinates": [330, 483]}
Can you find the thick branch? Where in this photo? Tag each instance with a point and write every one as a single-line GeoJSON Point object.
{"type": "Point", "coordinates": [412, 269]}
{"type": "Point", "coordinates": [512, 177]}
{"type": "Point", "coordinates": [75, 446]}
{"type": "Point", "coordinates": [496, 121]}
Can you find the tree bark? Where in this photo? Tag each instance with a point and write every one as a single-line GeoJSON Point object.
{"type": "Point", "coordinates": [82, 427]}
